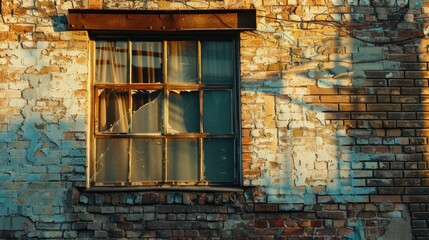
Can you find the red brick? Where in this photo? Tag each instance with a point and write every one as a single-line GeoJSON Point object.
{"type": "Point", "coordinates": [332, 214]}
{"type": "Point", "coordinates": [413, 66]}
{"type": "Point", "coordinates": [372, 115]}
{"type": "Point", "coordinates": [385, 74]}
{"type": "Point", "coordinates": [406, 99]}
{"type": "Point", "coordinates": [293, 231]}
{"type": "Point", "coordinates": [403, 57]}
{"type": "Point", "coordinates": [266, 207]}
{"type": "Point", "coordinates": [411, 124]}
{"type": "Point", "coordinates": [177, 233]}
{"type": "Point", "coordinates": [390, 190]}
{"type": "Point", "coordinates": [327, 106]}
{"type": "Point", "coordinates": [352, 107]}
{"type": "Point", "coordinates": [415, 199]}
{"type": "Point", "coordinates": [383, 107]}
{"type": "Point", "coordinates": [261, 224]}
{"type": "Point", "coordinates": [326, 231]}
{"type": "Point", "coordinates": [388, 173]}
{"type": "Point", "coordinates": [417, 190]}
{"type": "Point", "coordinates": [363, 98]}
{"type": "Point", "coordinates": [335, 99]}
{"type": "Point", "coordinates": [311, 99]}
{"type": "Point", "coordinates": [379, 182]}
{"type": "Point", "coordinates": [374, 83]}
{"type": "Point", "coordinates": [337, 115]}
{"type": "Point", "coordinates": [311, 223]}
{"type": "Point", "coordinates": [385, 91]}
{"type": "Point", "coordinates": [402, 115]}
{"type": "Point", "coordinates": [354, 91]}
{"type": "Point", "coordinates": [345, 231]}
{"type": "Point", "coordinates": [314, 90]}
{"type": "Point", "coordinates": [417, 74]}
{"type": "Point", "coordinates": [415, 91]}
{"type": "Point", "coordinates": [22, 28]}
{"type": "Point", "coordinates": [385, 198]}
{"type": "Point", "coordinates": [401, 82]}
{"type": "Point", "coordinates": [276, 223]}
{"type": "Point", "coordinates": [366, 214]}
{"type": "Point", "coordinates": [383, 99]}
{"type": "Point", "coordinates": [415, 107]}
{"type": "Point", "coordinates": [374, 149]}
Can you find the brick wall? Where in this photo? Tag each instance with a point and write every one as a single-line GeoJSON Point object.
{"type": "Point", "coordinates": [334, 133]}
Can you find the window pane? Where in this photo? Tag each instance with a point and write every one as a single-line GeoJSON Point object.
{"type": "Point", "coordinates": [147, 62]}
{"type": "Point", "coordinates": [111, 160]}
{"type": "Point", "coordinates": [112, 111]}
{"type": "Point", "coordinates": [217, 62]}
{"type": "Point", "coordinates": [217, 113]}
{"type": "Point", "coordinates": [146, 161]}
{"type": "Point", "coordinates": [147, 111]}
{"type": "Point", "coordinates": [182, 62]}
{"type": "Point", "coordinates": [182, 160]}
{"type": "Point", "coordinates": [111, 63]}
{"type": "Point", "coordinates": [218, 160]}
{"type": "Point", "coordinates": [184, 114]}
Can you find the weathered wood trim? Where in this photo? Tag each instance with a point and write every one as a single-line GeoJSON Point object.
{"type": "Point", "coordinates": [161, 20]}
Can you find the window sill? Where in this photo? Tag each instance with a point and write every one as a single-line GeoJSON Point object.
{"type": "Point", "coordinates": [160, 188]}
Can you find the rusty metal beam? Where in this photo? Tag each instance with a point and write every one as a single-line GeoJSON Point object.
{"type": "Point", "coordinates": [161, 20]}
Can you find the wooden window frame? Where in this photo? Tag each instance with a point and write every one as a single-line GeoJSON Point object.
{"type": "Point", "coordinates": [234, 136]}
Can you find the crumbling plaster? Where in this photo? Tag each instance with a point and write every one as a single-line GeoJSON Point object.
{"type": "Point", "coordinates": [299, 156]}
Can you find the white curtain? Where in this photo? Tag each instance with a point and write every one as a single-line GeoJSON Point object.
{"type": "Point", "coordinates": [182, 62]}
{"type": "Point", "coordinates": [147, 62]}
{"type": "Point", "coordinates": [113, 117]}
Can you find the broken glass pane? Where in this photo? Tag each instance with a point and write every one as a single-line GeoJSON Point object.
{"type": "Point", "coordinates": [217, 115]}
{"type": "Point", "coordinates": [183, 161]}
{"type": "Point", "coordinates": [218, 155]}
{"type": "Point", "coordinates": [111, 62]}
{"type": "Point", "coordinates": [182, 62]}
{"type": "Point", "coordinates": [147, 111]}
{"type": "Point", "coordinates": [146, 160]}
{"type": "Point", "coordinates": [111, 160]}
{"type": "Point", "coordinates": [183, 115]}
{"type": "Point", "coordinates": [217, 59]}
{"type": "Point", "coordinates": [147, 62]}
{"type": "Point", "coordinates": [113, 111]}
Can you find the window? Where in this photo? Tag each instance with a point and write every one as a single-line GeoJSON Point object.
{"type": "Point", "coordinates": [164, 110]}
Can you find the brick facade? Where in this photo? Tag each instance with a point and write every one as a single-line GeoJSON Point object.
{"type": "Point", "coordinates": [334, 103]}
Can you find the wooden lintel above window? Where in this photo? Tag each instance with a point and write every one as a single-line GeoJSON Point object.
{"type": "Point", "coordinates": [161, 20]}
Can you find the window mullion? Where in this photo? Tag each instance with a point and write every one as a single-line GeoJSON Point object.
{"type": "Point", "coordinates": [130, 108]}
{"type": "Point", "coordinates": [91, 108]}
{"type": "Point", "coordinates": [200, 140]}
{"type": "Point", "coordinates": [165, 111]}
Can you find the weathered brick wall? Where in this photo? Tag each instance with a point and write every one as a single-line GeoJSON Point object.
{"type": "Point", "coordinates": [334, 132]}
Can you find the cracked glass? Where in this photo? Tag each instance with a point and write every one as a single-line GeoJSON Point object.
{"type": "Point", "coordinates": [146, 160]}
{"type": "Point", "coordinates": [147, 111]}
{"type": "Point", "coordinates": [110, 164]}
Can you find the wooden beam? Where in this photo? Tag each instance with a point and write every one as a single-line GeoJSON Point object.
{"type": "Point", "coordinates": [161, 20]}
